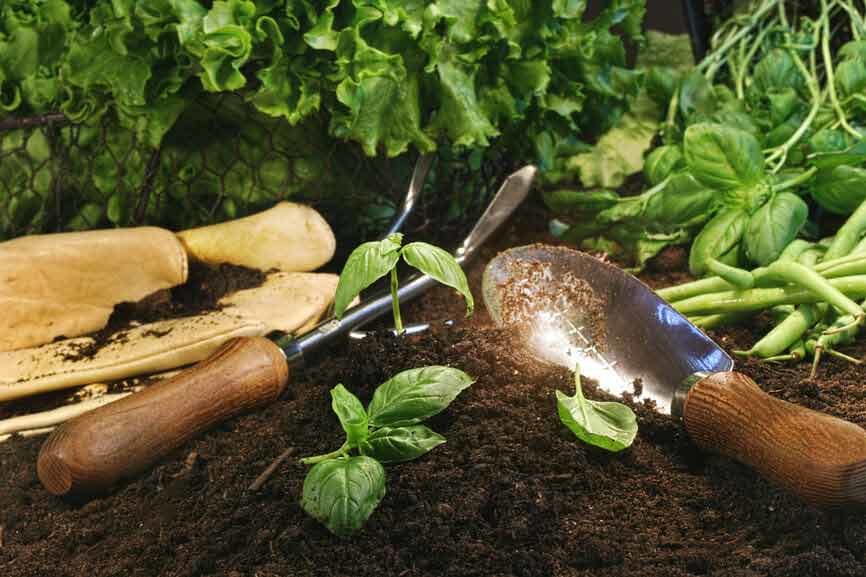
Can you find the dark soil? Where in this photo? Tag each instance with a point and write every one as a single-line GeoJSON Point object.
{"type": "Point", "coordinates": [512, 492]}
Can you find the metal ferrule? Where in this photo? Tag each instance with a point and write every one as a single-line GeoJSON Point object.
{"type": "Point", "coordinates": [678, 403]}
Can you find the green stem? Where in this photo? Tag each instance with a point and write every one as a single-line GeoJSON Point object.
{"type": "Point", "coordinates": [780, 153]}
{"type": "Point", "coordinates": [843, 356]}
{"type": "Point", "coordinates": [741, 73]}
{"type": "Point", "coordinates": [854, 17]}
{"type": "Point", "coordinates": [797, 180]}
{"type": "Point", "coordinates": [828, 70]}
{"type": "Point", "coordinates": [671, 116]}
{"type": "Point", "coordinates": [712, 62]}
{"type": "Point", "coordinates": [341, 452]}
{"type": "Point", "coordinates": [816, 359]}
{"type": "Point", "coordinates": [395, 302]}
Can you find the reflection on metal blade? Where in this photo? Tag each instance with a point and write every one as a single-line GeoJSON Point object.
{"type": "Point", "coordinates": [622, 335]}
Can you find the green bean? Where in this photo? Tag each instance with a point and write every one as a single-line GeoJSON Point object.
{"type": "Point", "coordinates": [757, 299]}
{"type": "Point", "coordinates": [854, 264]}
{"type": "Point", "coordinates": [797, 352]}
{"type": "Point", "coordinates": [794, 249]}
{"type": "Point", "coordinates": [780, 313]}
{"type": "Point", "coordinates": [694, 288]}
{"type": "Point", "coordinates": [784, 334]}
{"type": "Point", "coordinates": [798, 274]}
{"type": "Point", "coordinates": [849, 234]}
{"type": "Point", "coordinates": [826, 265]}
{"type": "Point", "coordinates": [811, 256]}
{"type": "Point", "coordinates": [861, 246]}
{"type": "Point", "coordinates": [741, 279]}
{"type": "Point", "coordinates": [719, 320]}
{"type": "Point", "coordinates": [845, 269]}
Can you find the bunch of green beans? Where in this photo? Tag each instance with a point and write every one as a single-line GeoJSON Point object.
{"type": "Point", "coordinates": [811, 290]}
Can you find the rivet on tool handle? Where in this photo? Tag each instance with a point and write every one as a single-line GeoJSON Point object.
{"type": "Point", "coordinates": [93, 451]}
{"type": "Point", "coordinates": [819, 458]}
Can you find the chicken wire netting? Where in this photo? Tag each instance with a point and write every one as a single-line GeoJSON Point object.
{"type": "Point", "coordinates": [222, 160]}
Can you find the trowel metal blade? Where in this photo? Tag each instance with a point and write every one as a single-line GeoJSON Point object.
{"type": "Point", "coordinates": [629, 335]}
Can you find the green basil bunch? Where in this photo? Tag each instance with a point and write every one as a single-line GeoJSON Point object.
{"type": "Point", "coordinates": [343, 489]}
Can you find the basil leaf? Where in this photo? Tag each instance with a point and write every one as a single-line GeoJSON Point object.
{"type": "Point", "coordinates": [611, 426]}
{"type": "Point", "coordinates": [773, 226]}
{"type": "Point", "coordinates": [852, 155]}
{"type": "Point", "coordinates": [696, 95]}
{"type": "Point", "coordinates": [783, 104]}
{"type": "Point", "coordinates": [723, 157]}
{"type": "Point", "coordinates": [437, 263]}
{"type": "Point", "coordinates": [661, 162]}
{"type": "Point", "coordinates": [840, 190]}
{"type": "Point", "coordinates": [853, 50]}
{"type": "Point", "coordinates": [683, 202]}
{"type": "Point", "coordinates": [717, 237]}
{"type": "Point", "coordinates": [342, 493]}
{"type": "Point", "coordinates": [367, 263]}
{"type": "Point", "coordinates": [829, 140]}
{"type": "Point", "coordinates": [851, 77]}
{"type": "Point", "coordinates": [776, 71]}
{"type": "Point", "coordinates": [398, 444]}
{"type": "Point", "coordinates": [660, 83]}
{"type": "Point", "coordinates": [414, 395]}
{"type": "Point", "coordinates": [735, 119]}
{"type": "Point", "coordinates": [353, 417]}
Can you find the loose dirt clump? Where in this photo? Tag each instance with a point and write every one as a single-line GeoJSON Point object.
{"type": "Point", "coordinates": [535, 294]}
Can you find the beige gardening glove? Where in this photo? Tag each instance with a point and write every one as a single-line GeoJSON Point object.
{"type": "Point", "coordinates": [67, 284]}
{"type": "Point", "coordinates": [146, 349]}
{"type": "Point", "coordinates": [288, 237]}
{"type": "Point", "coordinates": [288, 302]}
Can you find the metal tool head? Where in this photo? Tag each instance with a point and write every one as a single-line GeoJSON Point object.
{"type": "Point", "coordinates": [574, 309]}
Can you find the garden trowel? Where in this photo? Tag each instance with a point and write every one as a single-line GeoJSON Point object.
{"type": "Point", "coordinates": [94, 450]}
{"type": "Point", "coordinates": [576, 310]}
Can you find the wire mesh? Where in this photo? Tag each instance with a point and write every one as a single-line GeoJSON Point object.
{"type": "Point", "coordinates": [222, 159]}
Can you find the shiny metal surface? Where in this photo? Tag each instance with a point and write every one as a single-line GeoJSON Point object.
{"type": "Point", "coordinates": [416, 185]}
{"type": "Point", "coordinates": [645, 339]}
{"type": "Point", "coordinates": [678, 403]}
{"type": "Point", "coordinates": [509, 196]}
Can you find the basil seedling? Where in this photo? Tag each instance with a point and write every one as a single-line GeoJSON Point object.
{"type": "Point", "coordinates": [608, 425]}
{"type": "Point", "coordinates": [342, 490]}
{"type": "Point", "coordinates": [373, 260]}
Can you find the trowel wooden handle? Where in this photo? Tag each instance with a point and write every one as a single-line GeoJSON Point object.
{"type": "Point", "coordinates": [91, 452]}
{"type": "Point", "coordinates": [819, 458]}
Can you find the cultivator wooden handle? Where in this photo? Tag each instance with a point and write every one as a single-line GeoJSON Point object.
{"type": "Point", "coordinates": [91, 452]}
{"type": "Point", "coordinates": [821, 459]}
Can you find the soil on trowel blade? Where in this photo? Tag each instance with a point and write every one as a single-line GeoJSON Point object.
{"type": "Point", "coordinates": [511, 493]}
{"type": "Point", "coordinates": [537, 298]}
